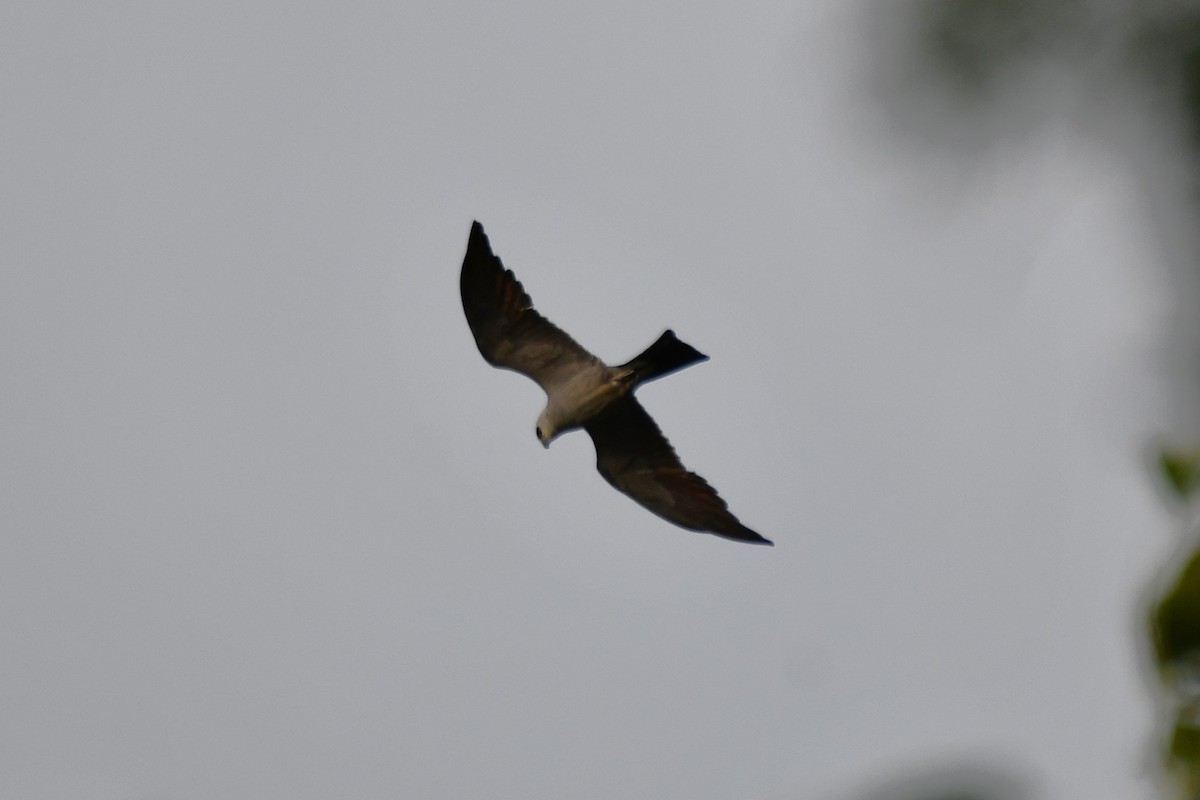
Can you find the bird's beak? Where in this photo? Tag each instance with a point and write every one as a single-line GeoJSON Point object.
{"type": "Point", "coordinates": [546, 445]}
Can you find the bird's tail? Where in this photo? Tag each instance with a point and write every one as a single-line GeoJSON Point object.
{"type": "Point", "coordinates": [664, 357]}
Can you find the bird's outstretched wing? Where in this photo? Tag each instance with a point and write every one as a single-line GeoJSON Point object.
{"type": "Point", "coordinates": [509, 333]}
{"type": "Point", "coordinates": [633, 455]}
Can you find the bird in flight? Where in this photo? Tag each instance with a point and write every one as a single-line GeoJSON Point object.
{"type": "Point", "coordinates": [583, 392]}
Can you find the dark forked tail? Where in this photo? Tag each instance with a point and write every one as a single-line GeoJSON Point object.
{"type": "Point", "coordinates": [663, 357]}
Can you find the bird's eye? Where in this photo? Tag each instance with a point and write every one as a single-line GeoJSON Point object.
{"type": "Point", "coordinates": [539, 433]}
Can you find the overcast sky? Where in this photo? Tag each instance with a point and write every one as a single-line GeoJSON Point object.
{"type": "Point", "coordinates": [271, 529]}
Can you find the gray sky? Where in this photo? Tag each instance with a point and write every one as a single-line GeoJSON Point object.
{"type": "Point", "coordinates": [271, 528]}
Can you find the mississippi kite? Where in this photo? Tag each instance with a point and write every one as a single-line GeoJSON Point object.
{"type": "Point", "coordinates": [583, 392]}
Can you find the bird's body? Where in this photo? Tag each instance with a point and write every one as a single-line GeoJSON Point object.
{"type": "Point", "coordinates": [582, 397]}
{"type": "Point", "coordinates": [584, 392]}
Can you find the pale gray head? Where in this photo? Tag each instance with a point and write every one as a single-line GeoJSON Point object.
{"type": "Point", "coordinates": [546, 430]}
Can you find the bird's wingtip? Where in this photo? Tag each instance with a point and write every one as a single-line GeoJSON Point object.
{"type": "Point", "coordinates": [744, 534]}
{"type": "Point", "coordinates": [478, 240]}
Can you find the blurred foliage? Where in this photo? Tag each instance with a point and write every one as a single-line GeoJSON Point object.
{"type": "Point", "coordinates": [970, 44]}
{"type": "Point", "coordinates": [1185, 744]}
{"type": "Point", "coordinates": [1175, 621]}
{"type": "Point", "coordinates": [964, 780]}
{"type": "Point", "coordinates": [1175, 629]}
{"type": "Point", "coordinates": [972, 40]}
{"type": "Point", "coordinates": [1183, 753]}
{"type": "Point", "coordinates": [1182, 470]}
{"type": "Point", "coordinates": [1165, 47]}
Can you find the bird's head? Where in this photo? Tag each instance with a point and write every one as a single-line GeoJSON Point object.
{"type": "Point", "coordinates": [546, 430]}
